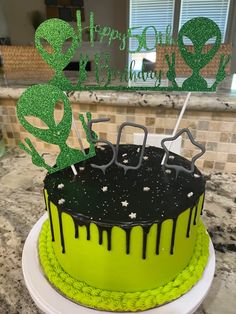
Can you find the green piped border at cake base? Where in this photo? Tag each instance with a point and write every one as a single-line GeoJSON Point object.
{"type": "Point", "coordinates": [89, 296]}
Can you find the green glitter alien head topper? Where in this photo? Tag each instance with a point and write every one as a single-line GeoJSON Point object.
{"type": "Point", "coordinates": [56, 34]}
{"type": "Point", "coordinates": [199, 31]}
{"type": "Point", "coordinates": [39, 101]}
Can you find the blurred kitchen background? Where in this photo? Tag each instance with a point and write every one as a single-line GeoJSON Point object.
{"type": "Point", "coordinates": [19, 19]}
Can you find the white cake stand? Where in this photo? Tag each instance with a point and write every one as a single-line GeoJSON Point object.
{"type": "Point", "coordinates": [52, 302]}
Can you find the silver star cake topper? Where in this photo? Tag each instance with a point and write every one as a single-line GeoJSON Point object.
{"type": "Point", "coordinates": [178, 168]}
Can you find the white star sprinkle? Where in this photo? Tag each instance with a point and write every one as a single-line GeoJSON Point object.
{"type": "Point", "coordinates": [60, 186]}
{"type": "Point", "coordinates": [81, 168]}
{"type": "Point", "coordinates": [190, 194]}
{"type": "Point", "coordinates": [61, 201]}
{"type": "Point", "coordinates": [104, 188]}
{"type": "Point", "coordinates": [146, 188]}
{"type": "Point", "coordinates": [124, 203]}
{"type": "Point", "coordinates": [125, 161]}
{"type": "Point", "coordinates": [132, 215]}
{"type": "Point", "coordinates": [145, 157]}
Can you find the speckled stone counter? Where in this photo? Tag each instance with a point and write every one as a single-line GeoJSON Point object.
{"type": "Point", "coordinates": [223, 100]}
{"type": "Point", "coordinates": [21, 203]}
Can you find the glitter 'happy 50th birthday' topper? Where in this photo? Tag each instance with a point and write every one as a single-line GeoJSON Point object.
{"type": "Point", "coordinates": [39, 101]}
{"type": "Point", "coordinates": [57, 33]}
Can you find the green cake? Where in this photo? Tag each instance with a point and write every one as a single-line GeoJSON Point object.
{"type": "Point", "coordinates": [124, 241]}
{"type": "Point", "coordinates": [124, 231]}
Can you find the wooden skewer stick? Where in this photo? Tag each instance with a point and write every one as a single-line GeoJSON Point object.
{"type": "Point", "coordinates": [177, 123]}
{"type": "Point", "coordinates": [74, 170]}
{"type": "Point", "coordinates": [78, 134]}
{"type": "Point", "coordinates": [80, 143]}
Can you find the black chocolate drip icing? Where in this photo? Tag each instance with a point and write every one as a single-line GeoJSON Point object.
{"type": "Point", "coordinates": [142, 197]}
{"type": "Point", "coordinates": [61, 231]}
{"type": "Point", "coordinates": [173, 236]}
{"type": "Point", "coordinates": [189, 221]}
{"type": "Point", "coordinates": [202, 203]}
{"type": "Point", "coordinates": [76, 228]}
{"type": "Point", "coordinates": [195, 216]}
{"type": "Point", "coordinates": [109, 238]}
{"type": "Point", "coordinates": [88, 230]}
{"type": "Point", "coordinates": [127, 231]}
{"type": "Point", "coordinates": [146, 230]}
{"type": "Point", "coordinates": [159, 226]}
{"type": "Point", "coordinates": [50, 217]}
{"type": "Point", "coordinates": [101, 233]}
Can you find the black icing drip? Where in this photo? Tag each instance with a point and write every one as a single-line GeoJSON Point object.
{"type": "Point", "coordinates": [109, 238]}
{"type": "Point", "coordinates": [145, 234]}
{"type": "Point", "coordinates": [127, 231]}
{"type": "Point", "coordinates": [150, 193]}
{"type": "Point", "coordinates": [61, 231]}
{"type": "Point", "coordinates": [173, 236]}
{"type": "Point", "coordinates": [50, 218]}
{"type": "Point", "coordinates": [76, 228]}
{"type": "Point", "coordinates": [189, 221]}
{"type": "Point", "coordinates": [88, 230]}
{"type": "Point", "coordinates": [195, 216]}
{"type": "Point", "coordinates": [101, 233]}
{"type": "Point", "coordinates": [202, 203]}
{"type": "Point", "coordinates": [159, 226]}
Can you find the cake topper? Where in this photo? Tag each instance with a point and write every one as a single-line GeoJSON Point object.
{"type": "Point", "coordinates": [62, 41]}
{"type": "Point", "coordinates": [199, 31]}
{"type": "Point", "coordinates": [126, 168]}
{"type": "Point", "coordinates": [115, 150]}
{"type": "Point", "coordinates": [54, 33]}
{"type": "Point", "coordinates": [39, 102]}
{"type": "Point", "coordinates": [177, 167]}
{"type": "Point", "coordinates": [90, 124]}
{"type": "Point", "coordinates": [59, 34]}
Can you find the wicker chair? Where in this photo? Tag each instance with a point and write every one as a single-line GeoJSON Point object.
{"type": "Point", "coordinates": [182, 69]}
{"type": "Point", "coordinates": [24, 64]}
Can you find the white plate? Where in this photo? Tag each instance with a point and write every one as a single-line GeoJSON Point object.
{"type": "Point", "coordinates": [51, 302]}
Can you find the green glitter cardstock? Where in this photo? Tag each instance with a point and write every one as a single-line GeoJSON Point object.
{"type": "Point", "coordinates": [58, 42]}
{"type": "Point", "coordinates": [58, 34]}
{"type": "Point", "coordinates": [39, 102]}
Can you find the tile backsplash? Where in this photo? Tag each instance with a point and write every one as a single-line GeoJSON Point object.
{"type": "Point", "coordinates": [216, 130]}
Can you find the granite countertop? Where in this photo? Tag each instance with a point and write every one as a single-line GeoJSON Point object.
{"type": "Point", "coordinates": [223, 100]}
{"type": "Point", "coordinates": [22, 204]}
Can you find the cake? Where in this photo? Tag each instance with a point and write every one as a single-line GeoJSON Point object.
{"type": "Point", "coordinates": [124, 241]}
{"type": "Point", "coordinates": [124, 231]}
